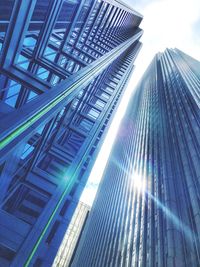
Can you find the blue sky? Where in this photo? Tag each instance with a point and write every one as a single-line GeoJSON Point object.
{"type": "Point", "coordinates": [166, 23]}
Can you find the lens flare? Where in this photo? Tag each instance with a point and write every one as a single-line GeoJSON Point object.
{"type": "Point", "coordinates": [138, 182]}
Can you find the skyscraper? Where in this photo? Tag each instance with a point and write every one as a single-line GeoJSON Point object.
{"type": "Point", "coordinates": [147, 209]}
{"type": "Point", "coordinates": [68, 246]}
{"type": "Point", "coordinates": [64, 67]}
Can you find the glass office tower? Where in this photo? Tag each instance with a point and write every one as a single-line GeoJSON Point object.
{"type": "Point", "coordinates": [68, 246]}
{"type": "Point", "coordinates": [64, 65]}
{"type": "Point", "coordinates": [147, 209]}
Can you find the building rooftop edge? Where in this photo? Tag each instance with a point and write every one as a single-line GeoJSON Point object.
{"type": "Point", "coordinates": [121, 3]}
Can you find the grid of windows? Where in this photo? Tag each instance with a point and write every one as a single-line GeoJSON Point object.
{"type": "Point", "coordinates": [147, 208]}
{"type": "Point", "coordinates": [56, 100]}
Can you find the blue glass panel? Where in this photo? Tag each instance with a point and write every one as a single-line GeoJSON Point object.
{"type": "Point", "coordinates": [32, 95]}
{"type": "Point", "coordinates": [40, 130]}
{"type": "Point", "coordinates": [30, 42]}
{"type": "Point", "coordinates": [86, 125]}
{"type": "Point", "coordinates": [93, 113]}
{"type": "Point", "coordinates": [12, 94]}
{"type": "Point", "coordinates": [55, 80]}
{"type": "Point", "coordinates": [27, 150]}
{"type": "Point", "coordinates": [42, 73]}
{"type": "Point", "coordinates": [11, 101]}
{"type": "Point", "coordinates": [23, 62]}
{"type": "Point", "coordinates": [100, 103]}
{"type": "Point", "coordinates": [50, 53]}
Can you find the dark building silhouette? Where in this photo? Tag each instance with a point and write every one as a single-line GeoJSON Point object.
{"type": "Point", "coordinates": [147, 209]}
{"type": "Point", "coordinates": [63, 68]}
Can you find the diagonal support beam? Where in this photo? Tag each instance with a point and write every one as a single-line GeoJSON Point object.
{"type": "Point", "coordinates": [15, 126]}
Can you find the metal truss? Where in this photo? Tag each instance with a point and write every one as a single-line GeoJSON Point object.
{"type": "Point", "coordinates": [63, 71]}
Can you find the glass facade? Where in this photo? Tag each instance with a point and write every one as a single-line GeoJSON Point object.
{"type": "Point", "coordinates": [71, 237]}
{"type": "Point", "coordinates": [63, 68]}
{"type": "Point", "coordinates": [147, 209]}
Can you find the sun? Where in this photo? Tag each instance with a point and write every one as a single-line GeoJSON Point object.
{"type": "Point", "coordinates": [138, 182]}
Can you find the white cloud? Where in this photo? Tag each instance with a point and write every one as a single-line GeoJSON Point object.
{"type": "Point", "coordinates": [168, 24]}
